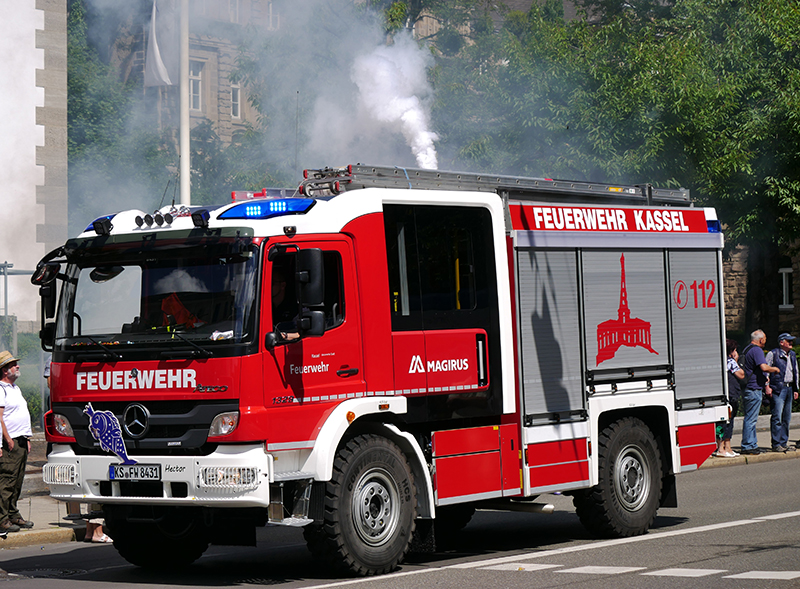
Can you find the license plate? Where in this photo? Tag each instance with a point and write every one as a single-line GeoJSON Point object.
{"type": "Point", "coordinates": [134, 472]}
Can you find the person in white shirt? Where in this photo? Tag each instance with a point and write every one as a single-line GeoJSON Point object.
{"type": "Point", "coordinates": [16, 424]}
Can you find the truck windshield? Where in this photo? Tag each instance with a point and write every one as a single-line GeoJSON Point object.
{"type": "Point", "coordinates": [195, 297]}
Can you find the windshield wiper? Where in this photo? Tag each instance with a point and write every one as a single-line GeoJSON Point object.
{"type": "Point", "coordinates": [108, 351]}
{"type": "Point", "coordinates": [202, 351]}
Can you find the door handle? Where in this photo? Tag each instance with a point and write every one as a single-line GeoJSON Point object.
{"type": "Point", "coordinates": [347, 372]}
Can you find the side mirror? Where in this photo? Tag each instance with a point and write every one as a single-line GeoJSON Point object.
{"type": "Point", "coordinates": [312, 323]}
{"type": "Point", "coordinates": [47, 292]}
{"type": "Point", "coordinates": [45, 273]}
{"type": "Point", "coordinates": [47, 335]}
{"type": "Point", "coordinates": [271, 340]}
{"type": "Point", "coordinates": [310, 276]}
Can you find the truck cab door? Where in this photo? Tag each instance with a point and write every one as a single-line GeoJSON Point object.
{"type": "Point", "coordinates": [312, 369]}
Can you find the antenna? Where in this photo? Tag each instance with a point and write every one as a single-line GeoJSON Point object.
{"type": "Point", "coordinates": [296, 127]}
{"type": "Point", "coordinates": [165, 194]}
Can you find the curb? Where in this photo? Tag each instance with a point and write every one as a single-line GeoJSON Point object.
{"type": "Point", "coordinates": [35, 537]}
{"type": "Point", "coordinates": [765, 456]}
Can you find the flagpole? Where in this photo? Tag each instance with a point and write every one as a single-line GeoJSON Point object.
{"type": "Point", "coordinates": [185, 165]}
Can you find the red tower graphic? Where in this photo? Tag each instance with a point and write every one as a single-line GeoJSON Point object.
{"type": "Point", "coordinates": [622, 331]}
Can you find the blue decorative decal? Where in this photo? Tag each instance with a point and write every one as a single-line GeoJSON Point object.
{"type": "Point", "coordinates": [104, 427]}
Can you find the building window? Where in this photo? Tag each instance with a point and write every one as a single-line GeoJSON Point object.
{"type": "Point", "coordinates": [273, 18]}
{"type": "Point", "coordinates": [787, 298]}
{"type": "Point", "coordinates": [233, 10]}
{"type": "Point", "coordinates": [235, 101]}
{"type": "Point", "coordinates": [196, 85]}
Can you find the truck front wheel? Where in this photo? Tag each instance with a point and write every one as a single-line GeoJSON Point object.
{"type": "Point", "coordinates": [370, 508]}
{"type": "Point", "coordinates": [174, 540]}
{"type": "Point", "coordinates": [626, 498]}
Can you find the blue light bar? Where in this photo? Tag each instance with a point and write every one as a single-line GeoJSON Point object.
{"type": "Point", "coordinates": [266, 209]}
{"type": "Point", "coordinates": [90, 226]}
{"type": "Point", "coordinates": [714, 226]}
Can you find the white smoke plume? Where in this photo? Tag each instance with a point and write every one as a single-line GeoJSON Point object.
{"type": "Point", "coordinates": [393, 86]}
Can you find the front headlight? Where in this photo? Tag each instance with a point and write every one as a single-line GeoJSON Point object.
{"type": "Point", "coordinates": [224, 424]}
{"type": "Point", "coordinates": [62, 426]}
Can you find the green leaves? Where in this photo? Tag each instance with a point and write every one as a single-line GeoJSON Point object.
{"type": "Point", "coordinates": [691, 93]}
{"type": "Point", "coordinates": [703, 94]}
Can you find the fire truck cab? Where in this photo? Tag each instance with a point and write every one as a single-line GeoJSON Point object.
{"type": "Point", "coordinates": [378, 354]}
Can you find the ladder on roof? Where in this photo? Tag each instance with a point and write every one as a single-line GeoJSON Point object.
{"type": "Point", "coordinates": [333, 181]}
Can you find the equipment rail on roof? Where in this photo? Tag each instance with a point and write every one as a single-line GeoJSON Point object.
{"type": "Point", "coordinates": [332, 181]}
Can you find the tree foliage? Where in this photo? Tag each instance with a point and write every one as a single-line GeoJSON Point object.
{"type": "Point", "coordinates": [699, 93]}
{"type": "Point", "coordinates": [119, 158]}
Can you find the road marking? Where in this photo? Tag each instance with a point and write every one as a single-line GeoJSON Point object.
{"type": "Point", "coordinates": [390, 576]}
{"type": "Point", "coordinates": [570, 549]}
{"type": "Point", "coordinates": [779, 575]}
{"type": "Point", "coordinates": [522, 566]}
{"type": "Point", "coordinates": [779, 515]}
{"type": "Point", "coordinates": [605, 544]}
{"type": "Point", "coordinates": [602, 570]}
{"type": "Point", "coordinates": [685, 572]}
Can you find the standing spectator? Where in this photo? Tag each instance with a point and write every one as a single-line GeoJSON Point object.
{"type": "Point", "coordinates": [755, 366]}
{"type": "Point", "coordinates": [784, 385]}
{"type": "Point", "coordinates": [16, 424]}
{"type": "Point", "coordinates": [735, 376]}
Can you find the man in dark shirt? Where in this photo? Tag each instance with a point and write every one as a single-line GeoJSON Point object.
{"type": "Point", "coordinates": [785, 388]}
{"type": "Point", "coordinates": [755, 366]}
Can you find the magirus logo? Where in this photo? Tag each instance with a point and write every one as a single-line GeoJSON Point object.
{"type": "Point", "coordinates": [449, 365]}
{"type": "Point", "coordinates": [416, 365]}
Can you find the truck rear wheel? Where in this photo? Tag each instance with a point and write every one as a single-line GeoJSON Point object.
{"type": "Point", "coordinates": [370, 509]}
{"type": "Point", "coordinates": [175, 540]}
{"type": "Point", "coordinates": [625, 500]}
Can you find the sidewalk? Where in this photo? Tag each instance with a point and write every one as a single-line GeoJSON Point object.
{"type": "Point", "coordinates": [764, 443]}
{"type": "Point", "coordinates": [36, 505]}
{"type": "Point", "coordinates": [50, 527]}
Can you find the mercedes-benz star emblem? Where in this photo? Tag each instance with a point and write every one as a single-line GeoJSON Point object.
{"type": "Point", "coordinates": [136, 420]}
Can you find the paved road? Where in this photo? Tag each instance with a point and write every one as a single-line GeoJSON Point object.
{"type": "Point", "coordinates": [741, 521]}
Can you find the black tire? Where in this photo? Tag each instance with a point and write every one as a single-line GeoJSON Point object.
{"type": "Point", "coordinates": [370, 509]}
{"type": "Point", "coordinates": [175, 541]}
{"type": "Point", "coordinates": [625, 500]}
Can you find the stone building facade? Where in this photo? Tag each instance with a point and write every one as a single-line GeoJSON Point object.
{"type": "Point", "coordinates": [33, 34]}
{"type": "Point", "coordinates": [735, 274]}
{"type": "Point", "coordinates": [216, 28]}
{"type": "Point", "coordinates": [734, 271]}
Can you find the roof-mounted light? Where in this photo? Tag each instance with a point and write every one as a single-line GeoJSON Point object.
{"type": "Point", "coordinates": [93, 226]}
{"type": "Point", "coordinates": [266, 209]}
{"type": "Point", "coordinates": [102, 226]}
{"type": "Point", "coordinates": [238, 195]}
{"type": "Point", "coordinates": [146, 220]}
{"type": "Point", "coordinates": [200, 218]}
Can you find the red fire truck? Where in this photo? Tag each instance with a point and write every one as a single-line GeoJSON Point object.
{"type": "Point", "coordinates": [378, 354]}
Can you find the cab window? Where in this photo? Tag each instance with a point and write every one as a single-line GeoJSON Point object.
{"type": "Point", "coordinates": [285, 306]}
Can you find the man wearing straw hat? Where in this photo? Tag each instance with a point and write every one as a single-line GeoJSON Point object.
{"type": "Point", "coordinates": [16, 423]}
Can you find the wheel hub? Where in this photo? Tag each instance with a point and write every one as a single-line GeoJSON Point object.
{"type": "Point", "coordinates": [631, 483]}
{"type": "Point", "coordinates": [375, 507]}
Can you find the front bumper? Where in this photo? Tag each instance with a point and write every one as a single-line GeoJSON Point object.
{"type": "Point", "coordinates": [232, 476]}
